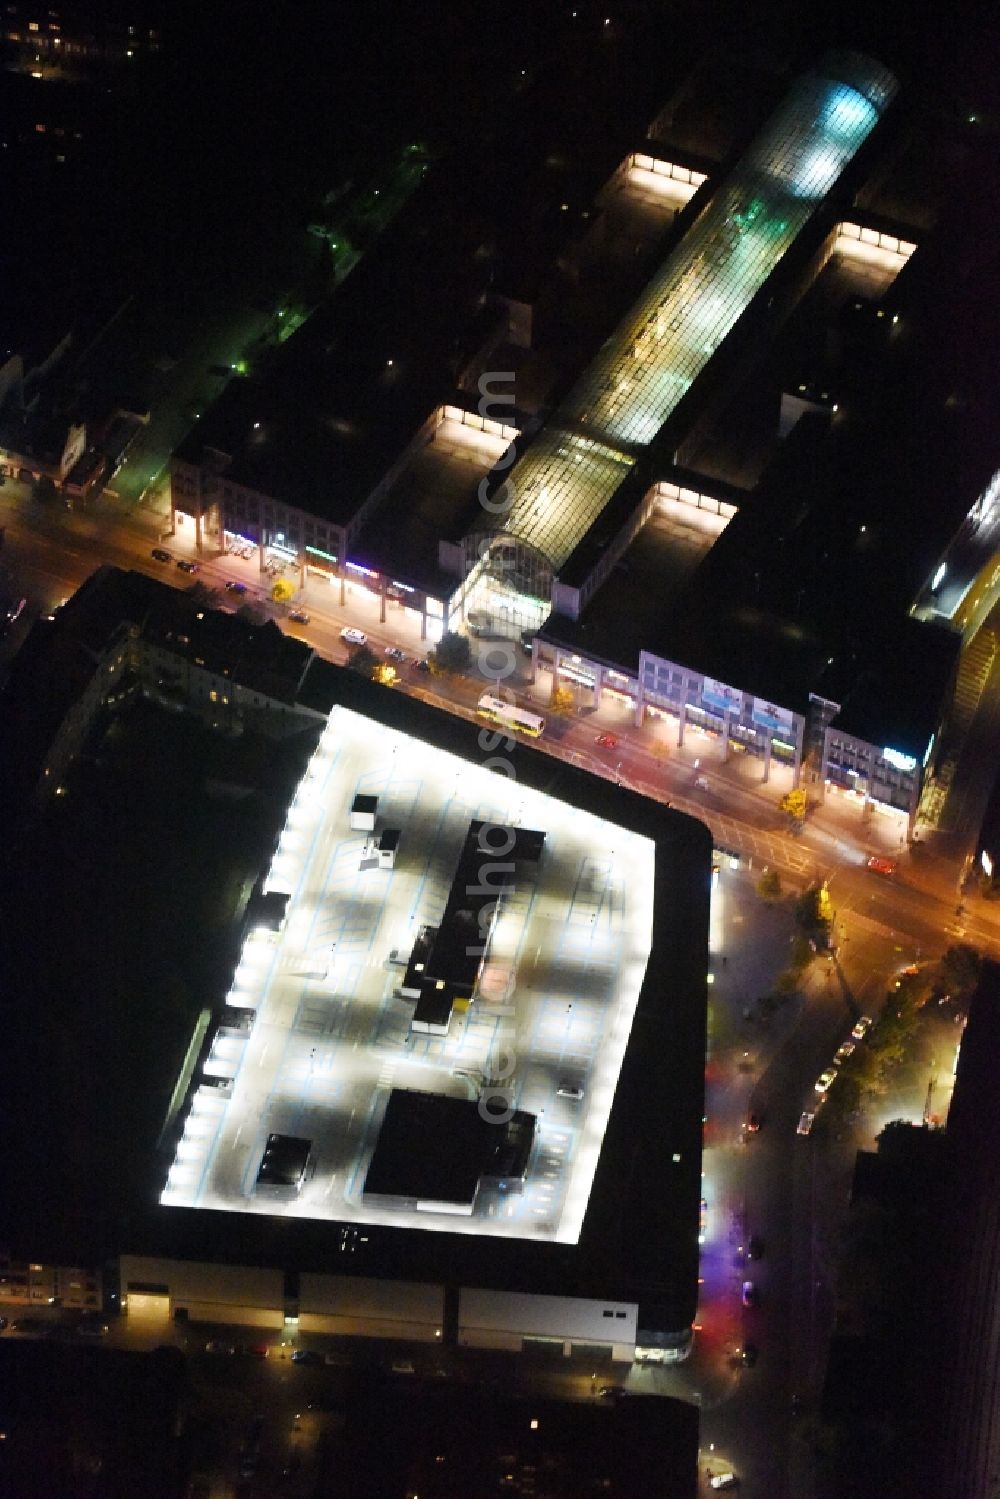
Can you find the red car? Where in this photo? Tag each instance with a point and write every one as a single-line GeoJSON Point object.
{"type": "Point", "coordinates": [606, 741]}
{"type": "Point", "coordinates": [880, 865]}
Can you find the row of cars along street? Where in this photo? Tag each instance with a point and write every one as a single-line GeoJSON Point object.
{"type": "Point", "coordinates": [829, 1076]}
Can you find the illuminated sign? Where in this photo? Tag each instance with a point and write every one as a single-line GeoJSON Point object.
{"type": "Point", "coordinates": [987, 864]}
{"type": "Point", "coordinates": [936, 580]}
{"type": "Point", "coordinates": [405, 587]}
{"type": "Point", "coordinates": [318, 552]}
{"type": "Point", "coordinates": [898, 760]}
{"type": "Point", "coordinates": [367, 572]}
{"type": "Point", "coordinates": [728, 699]}
{"type": "Point", "coordinates": [770, 716]}
{"type": "Point", "coordinates": [927, 751]}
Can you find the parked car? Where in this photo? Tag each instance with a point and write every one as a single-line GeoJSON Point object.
{"type": "Point", "coordinates": [354, 637]}
{"type": "Point", "coordinates": [402, 1366]}
{"type": "Point", "coordinates": [186, 566]}
{"type": "Point", "coordinates": [753, 1124]}
{"type": "Point", "coordinates": [219, 1345]}
{"type": "Point", "coordinates": [255, 1350]}
{"type": "Point", "coordinates": [606, 741]}
{"type": "Point", "coordinates": [824, 1080]}
{"type": "Point", "coordinates": [805, 1124]}
{"type": "Point", "coordinates": [611, 1391]}
{"type": "Point", "coordinates": [92, 1329]}
{"type": "Point", "coordinates": [724, 1481]}
{"type": "Point", "coordinates": [394, 653]}
{"type": "Point", "coordinates": [880, 865]}
{"type": "Point", "coordinates": [843, 1051]}
{"type": "Point", "coordinates": [701, 783]}
{"type": "Point", "coordinates": [862, 1028]}
{"type": "Point", "coordinates": [160, 555]}
{"type": "Point", "coordinates": [234, 587]}
{"type": "Point", "coordinates": [751, 1296]}
{"type": "Point", "coordinates": [298, 616]}
{"type": "Point", "coordinates": [423, 665]}
{"type": "Point", "coordinates": [308, 1356]}
{"type": "Point", "coordinates": [567, 1090]}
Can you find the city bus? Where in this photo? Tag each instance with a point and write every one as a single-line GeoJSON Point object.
{"type": "Point", "coordinates": [510, 716]}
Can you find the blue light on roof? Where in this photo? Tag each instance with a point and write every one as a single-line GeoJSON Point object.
{"type": "Point", "coordinates": [849, 114]}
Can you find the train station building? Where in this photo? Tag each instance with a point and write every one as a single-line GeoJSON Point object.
{"type": "Point", "coordinates": [640, 518]}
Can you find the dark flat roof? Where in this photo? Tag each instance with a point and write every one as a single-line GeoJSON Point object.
{"type": "Point", "coordinates": [284, 1161]}
{"type": "Point", "coordinates": [484, 871]}
{"type": "Point", "coordinates": [328, 422]}
{"type": "Point", "coordinates": [397, 1438]}
{"type": "Point", "coordinates": [435, 1148]}
{"type": "Point", "coordinates": [891, 693]}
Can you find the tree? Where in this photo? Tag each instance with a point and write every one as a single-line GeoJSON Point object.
{"type": "Point", "coordinates": [199, 593]}
{"type": "Point", "coordinates": [814, 913]}
{"type": "Point", "coordinates": [453, 653]}
{"type": "Point", "coordinates": [386, 675]}
{"type": "Point", "coordinates": [824, 905]}
{"type": "Point", "coordinates": [769, 885]}
{"type": "Point", "coordinates": [251, 614]}
{"type": "Point", "coordinates": [363, 660]}
{"type": "Point", "coordinates": [803, 952]}
{"type": "Point", "coordinates": [561, 701]}
{"type": "Point", "coordinates": [795, 805]}
{"type": "Point", "coordinates": [960, 969]}
{"type": "Point", "coordinates": [282, 591]}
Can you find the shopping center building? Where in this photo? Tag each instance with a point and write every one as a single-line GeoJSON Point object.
{"type": "Point", "coordinates": [534, 507]}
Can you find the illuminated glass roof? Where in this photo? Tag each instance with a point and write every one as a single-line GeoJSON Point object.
{"type": "Point", "coordinates": [661, 346]}
{"type": "Point", "coordinates": [562, 484]}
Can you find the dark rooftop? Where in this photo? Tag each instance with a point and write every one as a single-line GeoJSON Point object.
{"type": "Point", "coordinates": [473, 1443]}
{"type": "Point", "coordinates": [284, 1161]}
{"type": "Point", "coordinates": [434, 1148]}
{"type": "Point", "coordinates": [891, 694]}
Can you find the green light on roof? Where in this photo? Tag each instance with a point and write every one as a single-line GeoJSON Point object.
{"type": "Point", "coordinates": [317, 552]}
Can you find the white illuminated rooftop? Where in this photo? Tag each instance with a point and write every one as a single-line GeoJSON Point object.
{"type": "Point", "coordinates": [332, 1035]}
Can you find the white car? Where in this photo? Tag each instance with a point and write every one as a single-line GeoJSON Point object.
{"type": "Point", "coordinates": [862, 1028]}
{"type": "Point", "coordinates": [354, 637]}
{"type": "Point", "coordinates": [724, 1481]}
{"type": "Point", "coordinates": [825, 1079]}
{"type": "Point", "coordinates": [843, 1052]}
{"type": "Point", "coordinates": [566, 1090]}
{"type": "Point", "coordinates": [805, 1124]}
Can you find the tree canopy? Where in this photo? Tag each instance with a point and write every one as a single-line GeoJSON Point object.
{"type": "Point", "coordinates": [453, 653]}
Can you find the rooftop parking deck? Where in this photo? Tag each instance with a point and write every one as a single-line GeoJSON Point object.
{"type": "Point", "coordinates": [332, 1035]}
